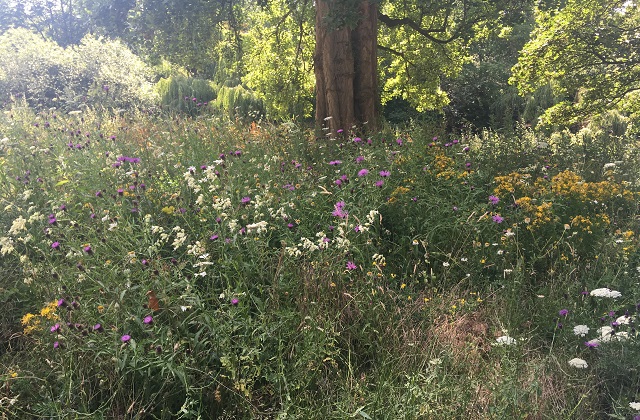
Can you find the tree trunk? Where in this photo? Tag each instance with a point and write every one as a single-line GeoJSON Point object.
{"type": "Point", "coordinates": [345, 62]}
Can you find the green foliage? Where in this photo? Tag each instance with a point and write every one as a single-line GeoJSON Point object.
{"type": "Point", "coordinates": [96, 72]}
{"type": "Point", "coordinates": [279, 56]}
{"type": "Point", "coordinates": [177, 93]}
{"type": "Point", "coordinates": [588, 50]}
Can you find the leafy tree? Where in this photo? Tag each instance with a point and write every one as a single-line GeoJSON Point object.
{"type": "Point", "coordinates": [278, 51]}
{"type": "Point", "coordinates": [66, 21]}
{"type": "Point", "coordinates": [590, 52]}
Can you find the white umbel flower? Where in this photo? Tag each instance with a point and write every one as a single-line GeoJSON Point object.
{"type": "Point", "coordinates": [578, 363]}
{"type": "Point", "coordinates": [606, 292]}
{"type": "Point", "coordinates": [505, 340]}
{"type": "Point", "coordinates": [634, 405]}
{"type": "Point", "coordinates": [581, 330]}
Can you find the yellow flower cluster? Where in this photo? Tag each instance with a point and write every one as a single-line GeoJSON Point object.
{"type": "Point", "coordinates": [31, 322]}
{"type": "Point", "coordinates": [569, 184]}
{"type": "Point", "coordinates": [513, 183]}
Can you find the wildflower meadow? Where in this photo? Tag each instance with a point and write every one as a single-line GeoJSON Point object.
{"type": "Point", "coordinates": [160, 266]}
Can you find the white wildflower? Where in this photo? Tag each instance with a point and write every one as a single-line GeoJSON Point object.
{"type": "Point", "coordinates": [18, 225]}
{"type": "Point", "coordinates": [635, 406]}
{"type": "Point", "coordinates": [6, 245]}
{"type": "Point", "coordinates": [581, 330]}
{"type": "Point", "coordinates": [505, 340]}
{"type": "Point", "coordinates": [606, 292]}
{"type": "Point", "coordinates": [258, 227]}
{"type": "Point", "coordinates": [578, 363]}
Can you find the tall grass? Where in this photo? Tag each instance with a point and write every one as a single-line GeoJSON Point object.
{"type": "Point", "coordinates": [178, 268]}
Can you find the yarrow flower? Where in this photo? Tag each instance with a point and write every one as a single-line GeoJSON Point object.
{"type": "Point", "coordinates": [578, 363]}
{"type": "Point", "coordinates": [606, 292]}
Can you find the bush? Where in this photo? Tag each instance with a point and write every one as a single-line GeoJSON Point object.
{"type": "Point", "coordinates": [97, 72]}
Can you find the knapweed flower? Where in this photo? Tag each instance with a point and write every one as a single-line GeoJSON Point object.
{"type": "Point", "coordinates": [363, 172]}
{"type": "Point", "coordinates": [497, 218]}
{"type": "Point", "coordinates": [606, 292]}
{"type": "Point", "coordinates": [125, 338]}
{"type": "Point", "coordinates": [88, 249]}
{"type": "Point", "coordinates": [57, 345]}
{"type": "Point", "coordinates": [55, 328]}
{"type": "Point", "coordinates": [235, 301]}
{"type": "Point", "coordinates": [493, 200]}
{"type": "Point", "coordinates": [563, 312]}
{"type": "Point", "coordinates": [581, 330]}
{"type": "Point", "coordinates": [339, 210]}
{"type": "Point", "coordinates": [578, 363]}
{"type": "Point", "coordinates": [592, 344]}
{"type": "Point", "coordinates": [148, 320]}
{"type": "Point", "coordinates": [245, 200]}
{"type": "Point", "coordinates": [351, 265]}
{"type": "Point", "coordinates": [335, 162]}
{"type": "Point", "coordinates": [61, 303]}
{"type": "Point", "coordinates": [359, 159]}
{"type": "Point", "coordinates": [384, 174]}
{"type": "Point", "coordinates": [98, 328]}
{"type": "Point", "coordinates": [55, 245]}
{"type": "Point", "coordinates": [379, 183]}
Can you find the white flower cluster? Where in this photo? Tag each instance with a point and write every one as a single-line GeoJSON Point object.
{"type": "Point", "coordinates": [578, 363]}
{"type": "Point", "coordinates": [180, 238]}
{"type": "Point", "coordinates": [505, 340]}
{"type": "Point", "coordinates": [6, 245]}
{"type": "Point", "coordinates": [221, 203]}
{"type": "Point", "coordinates": [606, 292]}
{"type": "Point", "coordinates": [581, 330]}
{"type": "Point", "coordinates": [18, 225]}
{"type": "Point", "coordinates": [258, 227]}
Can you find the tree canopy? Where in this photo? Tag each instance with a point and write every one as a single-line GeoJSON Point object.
{"type": "Point", "coordinates": [589, 51]}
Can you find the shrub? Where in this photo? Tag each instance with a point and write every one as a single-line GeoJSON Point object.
{"type": "Point", "coordinates": [97, 72]}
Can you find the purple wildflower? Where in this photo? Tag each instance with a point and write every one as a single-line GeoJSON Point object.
{"type": "Point", "coordinates": [148, 320]}
{"type": "Point", "coordinates": [125, 338]}
{"type": "Point", "coordinates": [497, 218]}
{"type": "Point", "coordinates": [384, 174]}
{"type": "Point", "coordinates": [55, 245]}
{"type": "Point", "coordinates": [563, 312]}
{"type": "Point", "coordinates": [235, 301]}
{"type": "Point", "coordinates": [351, 265]}
{"type": "Point", "coordinates": [493, 200]}
{"type": "Point", "coordinates": [363, 172]}
{"type": "Point", "coordinates": [245, 200]}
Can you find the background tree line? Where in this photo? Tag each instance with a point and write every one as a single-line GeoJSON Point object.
{"type": "Point", "coordinates": [479, 63]}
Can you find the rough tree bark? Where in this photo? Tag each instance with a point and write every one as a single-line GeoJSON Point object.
{"type": "Point", "coordinates": [345, 62]}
